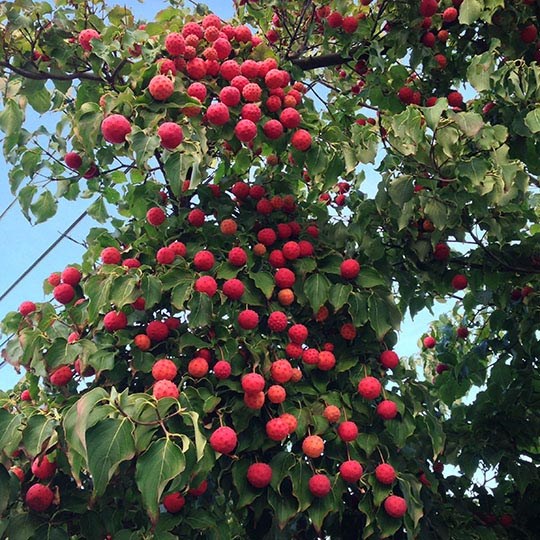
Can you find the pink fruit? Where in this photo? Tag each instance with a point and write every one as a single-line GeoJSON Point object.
{"type": "Point", "coordinates": [369, 388]}
{"type": "Point", "coordinates": [347, 431]}
{"type": "Point", "coordinates": [319, 485]}
{"type": "Point", "coordinates": [351, 471]}
{"type": "Point", "coordinates": [170, 134]}
{"type": "Point", "coordinates": [161, 87]}
{"type": "Point", "coordinates": [349, 269]}
{"type": "Point", "coordinates": [73, 160]}
{"type": "Point", "coordinates": [259, 475]}
{"type": "Point", "coordinates": [385, 474]}
{"type": "Point", "coordinates": [164, 389]}
{"type": "Point", "coordinates": [64, 293]}
{"type": "Point", "coordinates": [86, 36]}
{"type": "Point", "coordinates": [395, 506]}
{"type": "Point", "coordinates": [277, 429]}
{"type": "Point", "coordinates": [389, 359]}
{"type": "Point", "coordinates": [223, 440]}
{"type": "Point", "coordinates": [155, 216]}
{"type": "Point", "coordinates": [387, 409]}
{"type": "Point", "coordinates": [39, 497]}
{"type": "Point", "coordinates": [115, 128]}
{"type": "Point", "coordinates": [164, 369]}
{"type": "Point", "coordinates": [26, 308]}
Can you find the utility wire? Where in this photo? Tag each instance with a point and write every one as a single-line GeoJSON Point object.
{"type": "Point", "coordinates": [44, 254]}
{"type": "Point", "coordinates": [8, 208]}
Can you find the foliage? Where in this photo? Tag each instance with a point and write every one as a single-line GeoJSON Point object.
{"type": "Point", "coordinates": [390, 79]}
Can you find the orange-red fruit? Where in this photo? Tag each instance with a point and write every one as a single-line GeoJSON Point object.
{"type": "Point", "coordinates": [18, 472]}
{"type": "Point", "coordinates": [369, 388]}
{"type": "Point", "coordinates": [86, 36]}
{"type": "Point", "coordinates": [387, 409]}
{"type": "Point", "coordinates": [259, 475]}
{"type": "Point", "coordinates": [301, 140]}
{"type": "Point", "coordinates": [42, 468]}
{"type": "Point", "coordinates": [319, 485]}
{"type": "Point", "coordinates": [252, 383]}
{"type": "Point", "coordinates": [313, 446]}
{"type": "Point", "coordinates": [395, 506]}
{"type": "Point", "coordinates": [198, 367]}
{"type": "Point", "coordinates": [222, 369]}
{"type": "Point", "coordinates": [332, 413]}
{"type": "Point", "coordinates": [161, 87]}
{"type": "Point", "coordinates": [327, 361]}
{"type": "Point", "coordinates": [170, 134]}
{"type": "Point", "coordinates": [285, 297]}
{"type": "Point", "coordinates": [174, 502]}
{"type": "Point", "coordinates": [310, 356]}
{"type": "Point", "coordinates": [164, 369]}
{"type": "Point", "coordinates": [155, 216]}
{"type": "Point", "coordinates": [296, 375]}
{"type": "Point", "coordinates": [281, 371]}
{"type": "Point", "coordinates": [164, 389]}
{"type": "Point", "coordinates": [248, 319]}
{"type": "Point", "coordinates": [39, 497]}
{"type": "Point", "coordinates": [61, 376]}
{"type": "Point", "coordinates": [223, 440]}
{"type": "Point", "coordinates": [276, 394]}
{"type": "Point", "coordinates": [450, 14]}
{"type": "Point", "coordinates": [291, 421]}
{"type": "Point", "coordinates": [228, 226]}
{"type": "Point", "coordinates": [351, 471]}
{"type": "Point", "coordinates": [347, 431]}
{"type": "Point", "coordinates": [277, 429]}
{"type": "Point", "coordinates": [389, 359]}
{"type": "Point", "coordinates": [142, 342]}
{"type": "Point", "coordinates": [115, 128]}
{"type": "Point", "coordinates": [254, 401]}
{"type": "Point", "coordinates": [349, 269]}
{"type": "Point", "coordinates": [385, 474]}
{"type": "Point", "coordinates": [115, 320]}
{"type": "Point", "coordinates": [64, 293]}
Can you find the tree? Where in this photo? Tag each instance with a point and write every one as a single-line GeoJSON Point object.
{"type": "Point", "coordinates": [221, 364]}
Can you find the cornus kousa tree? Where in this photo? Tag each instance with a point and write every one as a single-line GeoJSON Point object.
{"type": "Point", "coordinates": [222, 363]}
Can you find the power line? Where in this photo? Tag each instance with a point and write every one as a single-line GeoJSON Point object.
{"type": "Point", "coordinates": [44, 254]}
{"type": "Point", "coordinates": [8, 208]}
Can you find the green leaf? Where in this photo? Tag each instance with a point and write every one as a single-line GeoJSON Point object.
{"type": "Point", "coordinates": [109, 443]}
{"type": "Point", "coordinates": [98, 210]}
{"type": "Point", "coordinates": [38, 431]}
{"type": "Point", "coordinates": [124, 290]}
{"type": "Point", "coordinates": [339, 295]}
{"type": "Point", "coordinates": [97, 289]}
{"type": "Point", "coordinates": [11, 118]}
{"type": "Point", "coordinates": [285, 507]}
{"type": "Point", "coordinates": [470, 11]}
{"type": "Point", "coordinates": [320, 508]}
{"type": "Point", "coordinates": [469, 122]}
{"type": "Point", "coordinates": [162, 462]}
{"type": "Point", "coordinates": [378, 316]}
{"type": "Point", "coordinates": [369, 277]}
{"type": "Point", "coordinates": [532, 120]}
{"type": "Point", "coordinates": [200, 307]}
{"type": "Point", "coordinates": [10, 432]}
{"type": "Point", "coordinates": [144, 146]}
{"type": "Point", "coordinates": [181, 293]}
{"type": "Point", "coordinates": [401, 190]}
{"type": "Point", "coordinates": [358, 308]}
{"type": "Point", "coordinates": [247, 493]}
{"type": "Point", "coordinates": [316, 289]}
{"type": "Point", "coordinates": [151, 290]}
{"type": "Point", "coordinates": [264, 282]}
{"type": "Point", "coordinates": [200, 439]}
{"type": "Point", "coordinates": [40, 100]}
{"type": "Point", "coordinates": [45, 207]}
{"type": "Point", "coordinates": [4, 488]}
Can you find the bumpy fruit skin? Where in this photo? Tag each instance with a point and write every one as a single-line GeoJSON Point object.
{"type": "Point", "coordinates": [174, 502]}
{"type": "Point", "coordinates": [164, 369]}
{"type": "Point", "coordinates": [281, 371]}
{"type": "Point", "coordinates": [73, 160]}
{"type": "Point", "coordinates": [218, 114]}
{"type": "Point", "coordinates": [349, 269]}
{"type": "Point", "coordinates": [233, 289]}
{"type": "Point", "coordinates": [206, 285]}
{"type": "Point", "coordinates": [319, 485]}
{"type": "Point", "coordinates": [277, 429]}
{"type": "Point", "coordinates": [429, 342]}
{"type": "Point", "coordinates": [313, 446]}
{"type": "Point", "coordinates": [310, 357]}
{"type": "Point", "coordinates": [86, 36]}
{"type": "Point", "coordinates": [389, 359]}
{"type": "Point", "coordinates": [455, 99]}
{"type": "Point", "coordinates": [25, 395]}
{"type": "Point", "coordinates": [369, 388]}
{"type": "Point", "coordinates": [203, 260]}
{"type": "Point", "coordinates": [223, 440]}
{"type": "Point", "coordinates": [39, 497]}
{"type": "Point", "coordinates": [115, 320]}
{"type": "Point", "coordinates": [196, 217]}
{"type": "Point", "coordinates": [277, 321]}
{"type": "Point", "coordinates": [259, 475]}
{"type": "Point", "coordinates": [301, 140]}
{"type": "Point", "coordinates": [26, 308]}
{"type": "Point", "coordinates": [327, 361]}
{"type": "Point", "coordinates": [395, 506]}
{"type": "Point", "coordinates": [291, 421]}
{"type": "Point", "coordinates": [198, 367]}
{"type": "Point", "coordinates": [385, 474]}
{"type": "Point", "coordinates": [387, 409]}
{"type": "Point", "coordinates": [248, 319]}
{"type": "Point", "coordinates": [351, 471]}
{"type": "Point", "coordinates": [42, 468]}
{"type": "Point", "coordinates": [71, 276]}
{"type": "Point", "coordinates": [462, 332]}
{"type": "Point", "coordinates": [175, 44]}
{"type": "Point", "coordinates": [170, 134]}
{"type": "Point", "coordinates": [110, 255]}
{"type": "Point", "coordinates": [115, 128]}
{"type": "Point", "coordinates": [276, 394]}
{"type": "Point", "coordinates": [157, 331]}
{"type": "Point", "coordinates": [142, 342]}
{"type": "Point", "coordinates": [61, 376]}
{"type": "Point", "coordinates": [254, 401]}
{"type": "Point", "coordinates": [252, 383]}
{"type": "Point", "coordinates": [161, 87]}
{"type": "Point", "coordinates": [347, 431]}
{"type": "Point", "coordinates": [298, 333]}
{"type": "Point", "coordinates": [165, 256]}
{"type": "Point", "coordinates": [245, 130]}
{"type": "Point", "coordinates": [155, 216]}
{"type": "Point", "coordinates": [164, 389]}
{"type": "Point", "coordinates": [237, 257]}
{"type": "Point", "coordinates": [332, 413]}
{"type": "Point", "coordinates": [222, 369]}
{"type": "Point", "coordinates": [459, 282]}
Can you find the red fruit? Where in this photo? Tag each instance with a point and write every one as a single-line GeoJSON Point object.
{"type": "Point", "coordinates": [197, 90]}
{"type": "Point", "coordinates": [164, 369]}
{"type": "Point", "coordinates": [349, 24]}
{"type": "Point", "coordinates": [334, 20]}
{"type": "Point", "coordinates": [266, 236]}
{"type": "Point", "coordinates": [175, 44]}
{"type": "Point", "coordinates": [369, 388]}
{"type": "Point", "coordinates": [389, 359]}
{"type": "Point", "coordinates": [395, 506]}
{"type": "Point", "coordinates": [332, 413]}
{"type": "Point", "coordinates": [237, 257]}
{"type": "Point", "coordinates": [296, 375]}
{"type": "Point", "coordinates": [25, 395]}
{"type": "Point", "coordinates": [86, 36]}
{"type": "Point", "coordinates": [273, 129]}
{"type": "Point", "coordinates": [222, 369]}
{"type": "Point", "coordinates": [71, 276]}
{"type": "Point", "coordinates": [459, 282]}
{"type": "Point", "coordinates": [276, 259]}
{"type": "Point", "coordinates": [198, 367]}
{"type": "Point", "coordinates": [110, 255]}
{"type": "Point", "coordinates": [223, 440]}
{"type": "Point", "coordinates": [165, 388]}
{"type": "Point", "coordinates": [529, 34]}
{"type": "Point", "coordinates": [290, 118]}
{"type": "Point", "coordinates": [441, 368]}
{"type": "Point", "coordinates": [277, 321]}
{"type": "Point", "coordinates": [455, 99]}
{"type": "Point", "coordinates": [131, 263]}
{"type": "Point", "coordinates": [462, 332]}
{"type": "Point", "coordinates": [252, 112]}
{"type": "Point", "coordinates": [199, 490]}
{"type": "Point", "coordinates": [26, 308]}
{"type": "Point", "coordinates": [291, 250]}
{"type": "Point", "coordinates": [142, 342]}
{"type": "Point", "coordinates": [229, 69]}
{"type": "Point", "coordinates": [196, 217]}
{"type": "Point", "coordinates": [259, 475]}
{"type": "Point", "coordinates": [277, 429]}
{"type": "Point", "coordinates": [155, 216]}
{"type": "Point", "coordinates": [218, 114]}
{"type": "Point", "coordinates": [441, 60]}
{"type": "Point", "coordinates": [301, 140]}
{"type": "Point", "coordinates": [161, 87]}
{"type": "Point", "coordinates": [298, 333]}
{"type": "Point", "coordinates": [203, 260]}
{"type": "Point", "coordinates": [115, 128]}
{"type": "Point", "coordinates": [165, 256]}
{"type": "Point", "coordinates": [206, 285]}
{"type": "Point", "coordinates": [347, 431]}
{"type": "Point", "coordinates": [327, 361]}
{"type": "Point", "coordinates": [310, 357]}
{"type": "Point", "coordinates": [273, 103]}
{"type": "Point", "coordinates": [18, 472]}
{"type": "Point", "coordinates": [385, 474]}
{"type": "Point", "coordinates": [428, 39]}
{"type": "Point", "coordinates": [387, 409]}
{"type": "Point", "coordinates": [351, 471]}
{"type": "Point", "coordinates": [174, 502]}
{"type": "Point", "coordinates": [64, 293]}
{"type": "Point", "coordinates": [196, 68]}
{"type": "Point", "coordinates": [348, 331]}
{"type": "Point", "coordinates": [313, 446]}
{"type": "Point", "coordinates": [115, 320]}
{"type": "Point", "coordinates": [248, 319]}
{"type": "Point", "coordinates": [61, 376]}
{"type": "Point", "coordinates": [39, 497]}
{"type": "Point", "coordinates": [281, 371]}
{"type": "Point", "coordinates": [42, 468]}
{"type": "Point", "coordinates": [254, 401]}
{"type": "Point", "coordinates": [240, 190]}
{"type": "Point", "coordinates": [291, 421]}
{"type": "Point", "coordinates": [285, 279]}
{"type": "Point", "coordinates": [441, 252]}
{"type": "Point", "coordinates": [252, 92]}
{"type": "Point", "coordinates": [233, 289]}
{"type": "Point", "coordinates": [253, 383]}
{"type": "Point", "coordinates": [405, 94]}
{"type": "Point", "coordinates": [170, 134]}
{"type": "Point", "coordinates": [319, 485]}
{"type": "Point", "coordinates": [245, 130]}
{"type": "Point", "coordinates": [276, 394]}
{"type": "Point", "coordinates": [428, 8]}
{"type": "Point", "coordinates": [230, 96]}
{"type": "Point", "coordinates": [157, 331]}
{"type": "Point", "coordinates": [54, 279]}
{"type": "Point", "coordinates": [429, 342]}
{"type": "Point", "coordinates": [506, 520]}
{"type": "Point", "coordinates": [349, 269]}
{"type": "Point", "coordinates": [73, 160]}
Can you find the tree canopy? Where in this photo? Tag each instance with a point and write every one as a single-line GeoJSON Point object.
{"type": "Point", "coordinates": [221, 363]}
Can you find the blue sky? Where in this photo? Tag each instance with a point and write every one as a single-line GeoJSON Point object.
{"type": "Point", "coordinates": [21, 243]}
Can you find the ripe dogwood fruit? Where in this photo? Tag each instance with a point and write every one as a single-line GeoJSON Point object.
{"type": "Point", "coordinates": [351, 471]}
{"type": "Point", "coordinates": [170, 134]}
{"type": "Point", "coordinates": [223, 440]}
{"type": "Point", "coordinates": [86, 36]}
{"type": "Point", "coordinates": [395, 506]}
{"type": "Point", "coordinates": [369, 388]}
{"type": "Point", "coordinates": [115, 128]}
{"type": "Point", "coordinates": [389, 359]}
{"type": "Point", "coordinates": [313, 446]}
{"type": "Point", "coordinates": [319, 485]}
{"type": "Point", "coordinates": [385, 473]}
{"type": "Point", "coordinates": [39, 497]}
{"type": "Point", "coordinates": [164, 389]}
{"type": "Point", "coordinates": [259, 475]}
{"type": "Point", "coordinates": [174, 502]}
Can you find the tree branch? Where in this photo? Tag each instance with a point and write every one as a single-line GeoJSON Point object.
{"type": "Point", "coordinates": [45, 76]}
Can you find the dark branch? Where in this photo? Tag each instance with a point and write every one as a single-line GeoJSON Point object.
{"type": "Point", "coordinates": [324, 60]}
{"type": "Point", "coordinates": [45, 76]}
